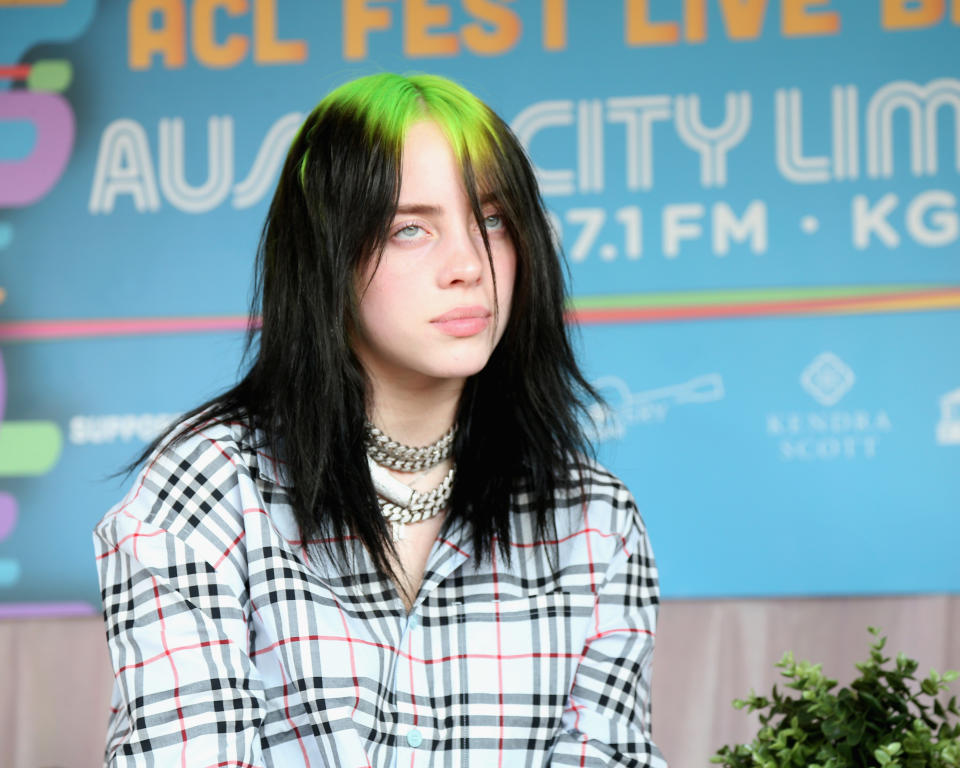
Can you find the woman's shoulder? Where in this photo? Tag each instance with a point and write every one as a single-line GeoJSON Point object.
{"type": "Point", "coordinates": [202, 466]}
{"type": "Point", "coordinates": [213, 450]}
{"type": "Point", "coordinates": [601, 497]}
{"type": "Point", "coordinates": [595, 518]}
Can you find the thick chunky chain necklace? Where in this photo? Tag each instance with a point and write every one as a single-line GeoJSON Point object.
{"type": "Point", "coordinates": [407, 458]}
{"type": "Point", "coordinates": [400, 503]}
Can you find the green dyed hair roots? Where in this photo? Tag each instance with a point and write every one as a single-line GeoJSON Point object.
{"type": "Point", "coordinates": [386, 105]}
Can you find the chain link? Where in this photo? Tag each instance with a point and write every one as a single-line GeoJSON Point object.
{"type": "Point", "coordinates": [407, 458]}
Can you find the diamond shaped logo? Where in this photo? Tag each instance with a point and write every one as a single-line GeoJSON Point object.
{"type": "Point", "coordinates": [948, 430]}
{"type": "Point", "coordinates": [827, 379]}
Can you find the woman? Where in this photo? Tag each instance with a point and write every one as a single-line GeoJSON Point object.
{"type": "Point", "coordinates": [290, 583]}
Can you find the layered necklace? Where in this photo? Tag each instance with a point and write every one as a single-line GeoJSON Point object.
{"type": "Point", "coordinates": [400, 503]}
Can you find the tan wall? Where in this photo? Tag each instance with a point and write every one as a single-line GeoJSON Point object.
{"type": "Point", "coordinates": [55, 679]}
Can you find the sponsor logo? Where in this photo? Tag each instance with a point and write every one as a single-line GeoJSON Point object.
{"type": "Point", "coordinates": [118, 428]}
{"type": "Point", "coordinates": [625, 409]}
{"type": "Point", "coordinates": [827, 379]}
{"type": "Point", "coordinates": [828, 433]}
{"type": "Point", "coordinates": [948, 428]}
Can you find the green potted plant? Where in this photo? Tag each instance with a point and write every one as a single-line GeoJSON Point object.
{"type": "Point", "coordinates": [884, 718]}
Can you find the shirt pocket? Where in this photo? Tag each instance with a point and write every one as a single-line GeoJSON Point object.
{"type": "Point", "coordinates": [520, 654]}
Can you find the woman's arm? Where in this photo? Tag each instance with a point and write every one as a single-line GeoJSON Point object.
{"type": "Point", "coordinates": [607, 719]}
{"type": "Point", "coordinates": [171, 566]}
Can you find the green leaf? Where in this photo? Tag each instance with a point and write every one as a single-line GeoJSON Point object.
{"type": "Point", "coordinates": [833, 730]}
{"type": "Point", "coordinates": [912, 745]}
{"type": "Point", "coordinates": [882, 757]}
{"type": "Point", "coordinates": [855, 734]}
{"type": "Point", "coordinates": [872, 701]}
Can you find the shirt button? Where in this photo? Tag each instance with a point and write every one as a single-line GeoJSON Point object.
{"type": "Point", "coordinates": [414, 738]}
{"type": "Point", "coordinates": [413, 622]}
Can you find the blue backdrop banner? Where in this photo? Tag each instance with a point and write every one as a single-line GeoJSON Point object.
{"type": "Point", "coordinates": [757, 200]}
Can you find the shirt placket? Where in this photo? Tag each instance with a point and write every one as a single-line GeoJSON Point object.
{"type": "Point", "coordinates": [419, 678]}
{"type": "Point", "coordinates": [416, 729]}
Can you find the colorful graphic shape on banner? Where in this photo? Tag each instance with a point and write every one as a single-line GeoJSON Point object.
{"type": "Point", "coordinates": [39, 128]}
{"type": "Point", "coordinates": [9, 569]}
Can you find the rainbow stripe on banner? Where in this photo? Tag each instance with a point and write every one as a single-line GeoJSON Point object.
{"type": "Point", "coordinates": [759, 302]}
{"type": "Point", "coordinates": [587, 310]}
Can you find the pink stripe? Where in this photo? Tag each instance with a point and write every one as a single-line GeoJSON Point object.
{"type": "Point", "coordinates": [353, 660]}
{"type": "Point", "coordinates": [286, 708]}
{"type": "Point", "coordinates": [404, 655]}
{"type": "Point", "coordinates": [165, 654]}
{"type": "Point", "coordinates": [413, 698]}
{"type": "Point", "coordinates": [228, 550]}
{"type": "Point", "coordinates": [45, 610]}
{"type": "Point", "coordinates": [38, 330]}
{"type": "Point", "coordinates": [496, 597]}
{"type": "Point", "coordinates": [35, 330]}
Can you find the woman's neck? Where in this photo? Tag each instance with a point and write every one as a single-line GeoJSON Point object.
{"type": "Point", "coordinates": [415, 414]}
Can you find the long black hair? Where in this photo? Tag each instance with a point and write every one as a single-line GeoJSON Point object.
{"type": "Point", "coordinates": [305, 393]}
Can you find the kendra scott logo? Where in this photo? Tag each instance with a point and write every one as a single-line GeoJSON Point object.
{"type": "Point", "coordinates": [827, 433]}
{"type": "Point", "coordinates": [827, 379]}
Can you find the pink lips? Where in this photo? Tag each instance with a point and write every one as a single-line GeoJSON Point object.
{"type": "Point", "coordinates": [463, 321]}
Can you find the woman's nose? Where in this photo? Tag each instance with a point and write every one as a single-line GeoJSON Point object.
{"type": "Point", "coordinates": [464, 259]}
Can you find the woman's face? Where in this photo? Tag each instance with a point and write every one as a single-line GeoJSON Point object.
{"type": "Point", "coordinates": [427, 310]}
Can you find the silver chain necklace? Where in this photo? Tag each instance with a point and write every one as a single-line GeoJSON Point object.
{"type": "Point", "coordinates": [407, 458]}
{"type": "Point", "coordinates": [399, 503]}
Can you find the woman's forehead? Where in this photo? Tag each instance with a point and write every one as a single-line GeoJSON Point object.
{"type": "Point", "coordinates": [429, 164]}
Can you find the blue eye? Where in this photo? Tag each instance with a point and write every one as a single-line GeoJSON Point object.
{"type": "Point", "coordinates": [493, 221]}
{"type": "Point", "coordinates": [409, 232]}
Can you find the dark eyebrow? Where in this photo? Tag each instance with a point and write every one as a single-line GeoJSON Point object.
{"type": "Point", "coordinates": [421, 210]}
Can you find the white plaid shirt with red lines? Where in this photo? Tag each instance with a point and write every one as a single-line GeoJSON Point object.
{"type": "Point", "coordinates": [230, 648]}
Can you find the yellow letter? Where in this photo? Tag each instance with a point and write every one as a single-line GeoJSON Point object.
{"type": "Point", "coordinates": [743, 19]}
{"type": "Point", "coordinates": [695, 20]}
{"type": "Point", "coordinates": [505, 22]}
{"type": "Point", "coordinates": [358, 20]}
{"type": "Point", "coordinates": [899, 14]}
{"type": "Point", "coordinates": [800, 21]}
{"type": "Point", "coordinates": [642, 31]}
{"type": "Point", "coordinates": [418, 17]}
{"type": "Point", "coordinates": [555, 25]}
{"type": "Point", "coordinates": [205, 46]}
{"type": "Point", "coordinates": [169, 40]}
{"type": "Point", "coordinates": [266, 48]}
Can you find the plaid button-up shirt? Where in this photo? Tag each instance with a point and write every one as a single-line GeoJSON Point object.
{"type": "Point", "coordinates": [231, 648]}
